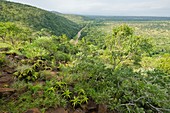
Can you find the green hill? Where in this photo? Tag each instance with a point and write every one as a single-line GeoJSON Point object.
{"type": "Point", "coordinates": [80, 19]}
{"type": "Point", "coordinates": [37, 19]}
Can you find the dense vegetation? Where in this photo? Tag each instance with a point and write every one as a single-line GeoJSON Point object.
{"type": "Point", "coordinates": [37, 19]}
{"type": "Point", "coordinates": [75, 18]}
{"type": "Point", "coordinates": [113, 64]}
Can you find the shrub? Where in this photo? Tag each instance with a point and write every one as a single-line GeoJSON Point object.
{"type": "Point", "coordinates": [122, 90]}
{"type": "Point", "coordinates": [164, 63]}
{"type": "Point", "coordinates": [26, 72]}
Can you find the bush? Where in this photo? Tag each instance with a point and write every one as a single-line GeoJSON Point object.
{"type": "Point", "coordinates": [40, 96]}
{"type": "Point", "coordinates": [27, 73]}
{"type": "Point", "coordinates": [122, 90]}
{"type": "Point", "coordinates": [164, 63]}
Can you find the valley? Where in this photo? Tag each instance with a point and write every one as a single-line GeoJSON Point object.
{"type": "Point", "coordinates": [64, 63]}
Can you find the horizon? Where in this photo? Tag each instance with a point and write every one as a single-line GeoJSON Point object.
{"type": "Point", "coordinates": [145, 8]}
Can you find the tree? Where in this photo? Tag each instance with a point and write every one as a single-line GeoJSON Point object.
{"type": "Point", "coordinates": [124, 46]}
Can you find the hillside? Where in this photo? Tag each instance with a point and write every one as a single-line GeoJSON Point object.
{"type": "Point", "coordinates": [37, 18]}
{"type": "Point", "coordinates": [80, 19]}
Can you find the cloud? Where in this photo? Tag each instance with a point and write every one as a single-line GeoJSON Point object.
{"type": "Point", "coordinates": [105, 7]}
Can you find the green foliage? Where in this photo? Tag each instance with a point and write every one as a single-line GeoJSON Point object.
{"type": "Point", "coordinates": [13, 34]}
{"type": "Point", "coordinates": [75, 18]}
{"type": "Point", "coordinates": [158, 62]}
{"type": "Point", "coordinates": [124, 46]}
{"type": "Point", "coordinates": [18, 84]}
{"type": "Point", "coordinates": [76, 101]}
{"type": "Point", "coordinates": [122, 90]}
{"type": "Point", "coordinates": [31, 70]}
{"type": "Point", "coordinates": [76, 96]}
{"type": "Point", "coordinates": [56, 48]}
{"type": "Point", "coordinates": [40, 96]}
{"type": "Point", "coordinates": [32, 51]}
{"type": "Point", "coordinates": [60, 85]}
{"type": "Point", "coordinates": [80, 98]}
{"type": "Point", "coordinates": [164, 63]}
{"type": "Point", "coordinates": [67, 93]}
{"type": "Point", "coordinates": [45, 75]}
{"type": "Point", "coordinates": [94, 36]}
{"type": "Point", "coordinates": [104, 69]}
{"type": "Point", "coordinates": [36, 88]}
{"type": "Point", "coordinates": [26, 72]}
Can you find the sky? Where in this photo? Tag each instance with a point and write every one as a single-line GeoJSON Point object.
{"type": "Point", "coordinates": [104, 7]}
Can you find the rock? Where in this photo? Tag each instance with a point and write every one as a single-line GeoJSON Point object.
{"type": "Point", "coordinates": [84, 107]}
{"type": "Point", "coordinates": [5, 79]}
{"type": "Point", "coordinates": [33, 110]}
{"type": "Point", "coordinates": [10, 71]}
{"type": "Point", "coordinates": [60, 110]}
{"type": "Point", "coordinates": [78, 111]}
{"type": "Point", "coordinates": [3, 90]}
{"type": "Point", "coordinates": [91, 105]}
{"type": "Point", "coordinates": [102, 108]}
